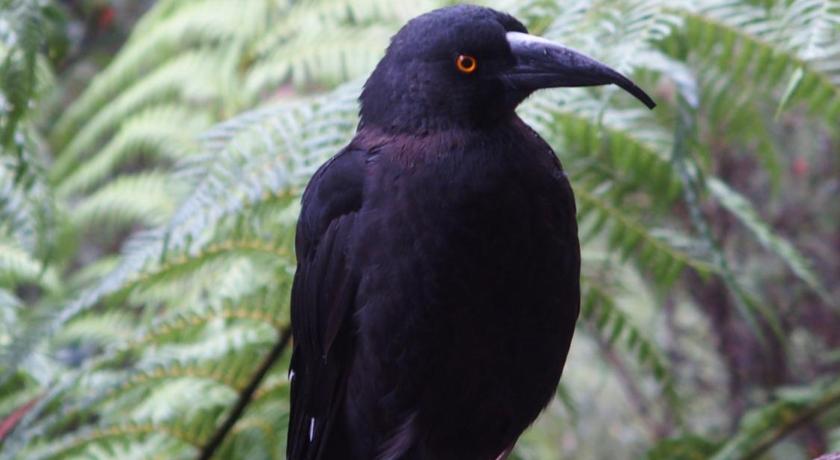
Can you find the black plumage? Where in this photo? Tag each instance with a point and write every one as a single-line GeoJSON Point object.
{"type": "Point", "coordinates": [437, 286]}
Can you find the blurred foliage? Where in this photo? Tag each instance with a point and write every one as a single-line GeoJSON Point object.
{"type": "Point", "coordinates": [146, 224]}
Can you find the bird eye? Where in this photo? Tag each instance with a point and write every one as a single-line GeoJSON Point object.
{"type": "Point", "coordinates": [466, 64]}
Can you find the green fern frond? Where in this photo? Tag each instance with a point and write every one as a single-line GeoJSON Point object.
{"type": "Point", "coordinates": [21, 37]}
{"type": "Point", "coordinates": [540, 16]}
{"type": "Point", "coordinates": [749, 46]}
{"type": "Point", "coordinates": [229, 373]}
{"type": "Point", "coordinates": [169, 328]}
{"type": "Point", "coordinates": [164, 131]}
{"type": "Point", "coordinates": [618, 147]}
{"type": "Point", "coordinates": [99, 328]}
{"type": "Point", "coordinates": [74, 444]}
{"type": "Point", "coordinates": [9, 306]}
{"type": "Point", "coordinates": [159, 12]}
{"type": "Point", "coordinates": [741, 208]}
{"type": "Point", "coordinates": [92, 273]}
{"type": "Point", "coordinates": [614, 325]}
{"type": "Point", "coordinates": [621, 33]}
{"type": "Point", "coordinates": [151, 447]}
{"type": "Point", "coordinates": [326, 14]}
{"type": "Point", "coordinates": [271, 387]}
{"type": "Point", "coordinates": [683, 159]}
{"type": "Point", "coordinates": [27, 205]}
{"type": "Point", "coordinates": [319, 58]}
{"type": "Point", "coordinates": [188, 27]}
{"type": "Point", "coordinates": [271, 157]}
{"type": "Point", "coordinates": [630, 237]}
{"type": "Point", "coordinates": [116, 205]}
{"type": "Point", "coordinates": [194, 78]}
{"type": "Point", "coordinates": [190, 344]}
{"type": "Point", "coordinates": [328, 42]}
{"type": "Point", "coordinates": [18, 266]}
{"type": "Point", "coordinates": [26, 211]}
{"type": "Point", "coordinates": [235, 274]}
{"type": "Point", "coordinates": [764, 427]}
{"type": "Point", "coordinates": [253, 310]}
{"type": "Point", "coordinates": [255, 437]}
{"type": "Point", "coordinates": [179, 265]}
{"type": "Point", "coordinates": [246, 171]}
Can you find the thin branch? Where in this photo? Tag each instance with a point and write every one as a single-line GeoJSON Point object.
{"type": "Point", "coordinates": [795, 423]}
{"type": "Point", "coordinates": [245, 396]}
{"type": "Point", "coordinates": [9, 423]}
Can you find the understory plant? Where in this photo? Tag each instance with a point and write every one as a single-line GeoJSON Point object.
{"type": "Point", "coordinates": [147, 224]}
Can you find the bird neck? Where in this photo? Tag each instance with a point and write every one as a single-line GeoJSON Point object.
{"type": "Point", "coordinates": [436, 139]}
{"type": "Point", "coordinates": [411, 123]}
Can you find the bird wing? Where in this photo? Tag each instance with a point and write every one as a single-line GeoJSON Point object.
{"type": "Point", "coordinates": [322, 302]}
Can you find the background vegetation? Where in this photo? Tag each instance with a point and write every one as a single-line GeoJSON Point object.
{"type": "Point", "coordinates": [152, 156]}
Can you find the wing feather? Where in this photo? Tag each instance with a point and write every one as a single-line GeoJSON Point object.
{"type": "Point", "coordinates": [323, 304]}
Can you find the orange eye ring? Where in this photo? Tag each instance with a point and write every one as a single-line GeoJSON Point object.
{"type": "Point", "coordinates": [466, 63]}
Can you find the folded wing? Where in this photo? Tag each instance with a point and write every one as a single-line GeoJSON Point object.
{"type": "Point", "coordinates": [323, 304]}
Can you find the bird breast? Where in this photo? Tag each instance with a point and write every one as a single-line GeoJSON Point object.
{"type": "Point", "coordinates": [461, 285]}
{"type": "Point", "coordinates": [462, 225]}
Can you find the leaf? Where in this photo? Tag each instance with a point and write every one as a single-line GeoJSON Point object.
{"type": "Point", "coordinates": [741, 208]}
{"type": "Point", "coordinates": [688, 447]}
{"type": "Point", "coordinates": [615, 325]}
{"type": "Point", "coordinates": [765, 426]}
{"type": "Point", "coordinates": [793, 84]}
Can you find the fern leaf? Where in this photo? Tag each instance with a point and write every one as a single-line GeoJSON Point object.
{"type": "Point", "coordinates": [741, 208]}
{"type": "Point", "coordinates": [764, 56]}
{"type": "Point", "coordinates": [161, 131]}
{"type": "Point", "coordinates": [765, 426]}
{"type": "Point", "coordinates": [193, 78]}
{"type": "Point", "coordinates": [18, 266]}
{"type": "Point", "coordinates": [116, 204]}
{"type": "Point", "coordinates": [182, 30]}
{"type": "Point", "coordinates": [319, 59]}
{"type": "Point", "coordinates": [618, 147]}
{"type": "Point", "coordinates": [630, 237]}
{"type": "Point", "coordinates": [599, 309]}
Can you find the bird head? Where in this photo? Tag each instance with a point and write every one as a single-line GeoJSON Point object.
{"type": "Point", "coordinates": [470, 66]}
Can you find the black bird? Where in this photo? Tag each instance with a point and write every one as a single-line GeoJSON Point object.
{"type": "Point", "coordinates": [437, 286]}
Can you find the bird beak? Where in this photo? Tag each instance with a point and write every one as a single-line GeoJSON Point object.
{"type": "Point", "coordinates": [541, 63]}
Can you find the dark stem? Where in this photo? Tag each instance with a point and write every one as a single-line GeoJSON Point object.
{"type": "Point", "coordinates": [797, 422]}
{"type": "Point", "coordinates": [245, 396]}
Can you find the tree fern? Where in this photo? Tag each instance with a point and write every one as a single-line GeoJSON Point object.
{"type": "Point", "coordinates": [18, 266]}
{"type": "Point", "coordinates": [758, 48]}
{"type": "Point", "coordinates": [186, 26]}
{"type": "Point", "coordinates": [768, 424]}
{"type": "Point", "coordinates": [741, 208]}
{"type": "Point", "coordinates": [166, 82]}
{"type": "Point", "coordinates": [161, 132]}
{"type": "Point", "coordinates": [109, 361]}
{"type": "Point", "coordinates": [116, 202]}
{"type": "Point", "coordinates": [599, 310]}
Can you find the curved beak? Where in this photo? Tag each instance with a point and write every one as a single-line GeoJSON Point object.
{"type": "Point", "coordinates": [541, 63]}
